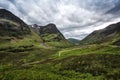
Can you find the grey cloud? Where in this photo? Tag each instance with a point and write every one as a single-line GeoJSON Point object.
{"type": "Point", "coordinates": [70, 16]}
{"type": "Point", "coordinates": [114, 10]}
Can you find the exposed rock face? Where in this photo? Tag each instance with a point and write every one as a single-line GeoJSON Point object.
{"type": "Point", "coordinates": [104, 35]}
{"type": "Point", "coordinates": [50, 28]}
{"type": "Point", "coordinates": [51, 33]}
{"type": "Point", "coordinates": [11, 25]}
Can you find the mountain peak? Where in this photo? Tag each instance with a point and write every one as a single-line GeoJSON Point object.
{"type": "Point", "coordinates": [4, 13]}
{"type": "Point", "coordinates": [51, 24]}
{"type": "Point", "coordinates": [2, 9]}
{"type": "Point", "coordinates": [10, 16]}
{"type": "Point", "coordinates": [49, 28]}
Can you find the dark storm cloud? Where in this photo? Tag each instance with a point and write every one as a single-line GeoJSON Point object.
{"type": "Point", "coordinates": [75, 18]}
{"type": "Point", "coordinates": [115, 10]}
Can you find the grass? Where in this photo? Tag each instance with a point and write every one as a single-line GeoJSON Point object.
{"type": "Point", "coordinates": [49, 37]}
{"type": "Point", "coordinates": [107, 65]}
{"type": "Point", "coordinates": [60, 44]}
{"type": "Point", "coordinates": [78, 63]}
{"type": "Point", "coordinates": [43, 72]}
{"type": "Point", "coordinates": [84, 50]}
{"type": "Point", "coordinates": [32, 39]}
{"type": "Point", "coordinates": [28, 59]}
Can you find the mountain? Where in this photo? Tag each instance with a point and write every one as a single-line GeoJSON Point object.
{"type": "Point", "coordinates": [51, 33]}
{"type": "Point", "coordinates": [11, 25]}
{"type": "Point", "coordinates": [110, 34]}
{"type": "Point", "coordinates": [12, 28]}
{"type": "Point", "coordinates": [44, 51]}
{"type": "Point", "coordinates": [51, 36]}
{"type": "Point", "coordinates": [75, 41]}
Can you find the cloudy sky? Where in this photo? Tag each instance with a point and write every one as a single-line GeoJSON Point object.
{"type": "Point", "coordinates": [74, 18]}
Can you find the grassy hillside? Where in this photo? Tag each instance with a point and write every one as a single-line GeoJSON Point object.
{"type": "Point", "coordinates": [108, 35]}
{"type": "Point", "coordinates": [12, 29]}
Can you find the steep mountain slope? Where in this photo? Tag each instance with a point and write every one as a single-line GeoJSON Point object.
{"type": "Point", "coordinates": [53, 37]}
{"type": "Point", "coordinates": [109, 34]}
{"type": "Point", "coordinates": [11, 25]}
{"type": "Point", "coordinates": [16, 33]}
{"type": "Point", "coordinates": [51, 33]}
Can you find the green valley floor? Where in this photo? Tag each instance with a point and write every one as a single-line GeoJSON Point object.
{"type": "Point", "coordinates": [33, 62]}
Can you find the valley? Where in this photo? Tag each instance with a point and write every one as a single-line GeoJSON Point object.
{"type": "Point", "coordinates": [43, 53]}
{"type": "Point", "coordinates": [78, 63]}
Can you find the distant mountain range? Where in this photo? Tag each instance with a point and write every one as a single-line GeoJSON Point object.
{"type": "Point", "coordinates": [12, 26]}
